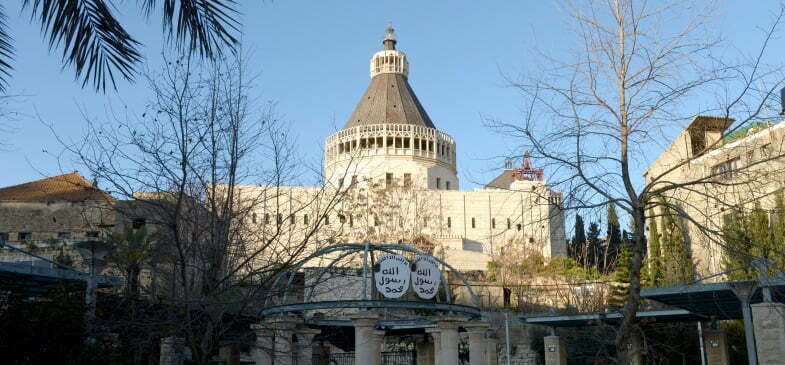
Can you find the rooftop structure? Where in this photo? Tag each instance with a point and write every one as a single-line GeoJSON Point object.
{"type": "Point", "coordinates": [67, 187]}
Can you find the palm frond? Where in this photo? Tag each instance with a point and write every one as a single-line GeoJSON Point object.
{"type": "Point", "coordinates": [6, 51]}
{"type": "Point", "coordinates": [92, 39]}
{"type": "Point", "coordinates": [201, 25]}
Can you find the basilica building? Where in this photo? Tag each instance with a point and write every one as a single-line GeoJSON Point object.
{"type": "Point", "coordinates": [390, 176]}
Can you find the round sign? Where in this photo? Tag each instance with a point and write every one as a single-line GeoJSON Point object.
{"type": "Point", "coordinates": [391, 275]}
{"type": "Point", "coordinates": [425, 276]}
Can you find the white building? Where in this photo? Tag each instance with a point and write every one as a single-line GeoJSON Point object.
{"type": "Point", "coordinates": [397, 175]}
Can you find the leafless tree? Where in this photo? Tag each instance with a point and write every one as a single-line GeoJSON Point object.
{"type": "Point", "coordinates": [633, 77]}
{"type": "Point", "coordinates": [204, 168]}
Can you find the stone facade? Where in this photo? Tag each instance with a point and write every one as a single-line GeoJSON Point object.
{"type": "Point", "coordinates": [397, 175]}
{"type": "Point", "coordinates": [732, 173]}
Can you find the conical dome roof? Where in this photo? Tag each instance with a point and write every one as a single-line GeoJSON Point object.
{"type": "Point", "coordinates": [389, 98]}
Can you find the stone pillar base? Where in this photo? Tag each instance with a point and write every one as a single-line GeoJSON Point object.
{"type": "Point", "coordinates": [716, 347]}
{"type": "Point", "coordinates": [768, 319]}
{"type": "Point", "coordinates": [555, 351]}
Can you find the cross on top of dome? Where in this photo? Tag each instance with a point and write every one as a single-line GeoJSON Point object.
{"type": "Point", "coordinates": [389, 37]}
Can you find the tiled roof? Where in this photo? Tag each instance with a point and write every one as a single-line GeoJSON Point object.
{"type": "Point", "coordinates": [68, 187]}
{"type": "Point", "coordinates": [389, 99]}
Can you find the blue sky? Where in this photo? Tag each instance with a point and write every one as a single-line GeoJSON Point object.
{"type": "Point", "coordinates": [312, 60]}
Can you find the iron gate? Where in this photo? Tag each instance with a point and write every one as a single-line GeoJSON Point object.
{"type": "Point", "coordinates": [388, 358]}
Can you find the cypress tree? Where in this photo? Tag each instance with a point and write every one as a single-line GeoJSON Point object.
{"type": "Point", "coordinates": [593, 245]}
{"type": "Point", "coordinates": [614, 239]}
{"type": "Point", "coordinates": [655, 255]}
{"type": "Point", "coordinates": [737, 247]}
{"type": "Point", "coordinates": [578, 250]}
{"type": "Point", "coordinates": [778, 227]}
{"type": "Point", "coordinates": [620, 288]}
{"type": "Point", "coordinates": [676, 261]}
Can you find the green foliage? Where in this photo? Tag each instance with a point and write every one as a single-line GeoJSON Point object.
{"type": "Point", "coordinates": [654, 259]}
{"type": "Point", "coordinates": [614, 239]}
{"type": "Point", "coordinates": [578, 240]}
{"type": "Point", "coordinates": [750, 235]}
{"type": "Point", "coordinates": [743, 131]}
{"type": "Point", "coordinates": [133, 248]}
{"type": "Point", "coordinates": [63, 258]}
{"type": "Point", "coordinates": [593, 244]}
{"type": "Point", "coordinates": [49, 331]}
{"type": "Point", "coordinates": [737, 342]}
{"type": "Point", "coordinates": [96, 44]}
{"type": "Point", "coordinates": [561, 266]}
{"type": "Point", "coordinates": [620, 288]}
{"type": "Point", "coordinates": [676, 259]}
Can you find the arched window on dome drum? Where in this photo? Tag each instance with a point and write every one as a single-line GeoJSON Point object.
{"type": "Point", "coordinates": [449, 222]}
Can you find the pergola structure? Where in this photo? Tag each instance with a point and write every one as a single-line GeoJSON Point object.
{"type": "Point", "coordinates": [758, 302]}
{"type": "Point", "coordinates": [290, 323]}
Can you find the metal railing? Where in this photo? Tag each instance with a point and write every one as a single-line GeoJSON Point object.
{"type": "Point", "coordinates": [388, 358]}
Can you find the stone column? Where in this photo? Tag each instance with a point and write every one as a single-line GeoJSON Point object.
{"type": "Point", "coordinates": [364, 342]}
{"type": "Point", "coordinates": [437, 344]}
{"type": "Point", "coordinates": [448, 328]}
{"type": "Point", "coordinates": [305, 345]}
{"type": "Point", "coordinates": [768, 319]}
{"type": "Point", "coordinates": [283, 328]}
{"type": "Point", "coordinates": [476, 331]}
{"type": "Point", "coordinates": [424, 351]}
{"type": "Point", "coordinates": [492, 350]}
{"type": "Point", "coordinates": [263, 349]}
{"type": "Point", "coordinates": [171, 351]}
{"type": "Point", "coordinates": [555, 351]}
{"type": "Point", "coordinates": [716, 347]}
{"type": "Point", "coordinates": [377, 345]}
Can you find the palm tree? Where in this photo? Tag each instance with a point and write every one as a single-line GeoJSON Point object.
{"type": "Point", "coordinates": [98, 47]}
{"type": "Point", "coordinates": [132, 250]}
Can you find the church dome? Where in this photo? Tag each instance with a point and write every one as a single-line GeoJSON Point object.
{"type": "Point", "coordinates": [389, 98]}
{"type": "Point", "coordinates": [389, 136]}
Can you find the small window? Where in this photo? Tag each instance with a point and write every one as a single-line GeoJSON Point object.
{"type": "Point", "coordinates": [407, 180]}
{"type": "Point", "coordinates": [493, 223]}
{"type": "Point", "coordinates": [341, 218]}
{"type": "Point", "coordinates": [138, 223]}
{"type": "Point", "coordinates": [447, 185]}
{"type": "Point", "coordinates": [765, 150]}
{"type": "Point", "coordinates": [292, 219]}
{"type": "Point", "coordinates": [473, 225]}
{"type": "Point", "coordinates": [279, 219]}
{"type": "Point", "coordinates": [340, 182]}
{"type": "Point", "coordinates": [354, 180]}
{"type": "Point", "coordinates": [509, 223]}
{"type": "Point", "coordinates": [531, 239]}
{"type": "Point", "coordinates": [438, 183]}
{"type": "Point", "coordinates": [449, 222]}
{"type": "Point", "coordinates": [388, 179]}
{"type": "Point", "coordinates": [326, 219]}
{"type": "Point", "coordinates": [305, 219]}
{"type": "Point", "coordinates": [253, 217]}
{"type": "Point", "coordinates": [351, 220]}
{"type": "Point", "coordinates": [63, 234]}
{"type": "Point", "coordinates": [266, 218]}
{"type": "Point", "coordinates": [3, 236]}
{"type": "Point", "coordinates": [519, 227]}
{"type": "Point", "coordinates": [24, 236]}
{"type": "Point", "coordinates": [91, 234]}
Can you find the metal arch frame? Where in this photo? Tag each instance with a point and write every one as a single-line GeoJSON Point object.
{"type": "Point", "coordinates": [355, 248]}
{"type": "Point", "coordinates": [472, 312]}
